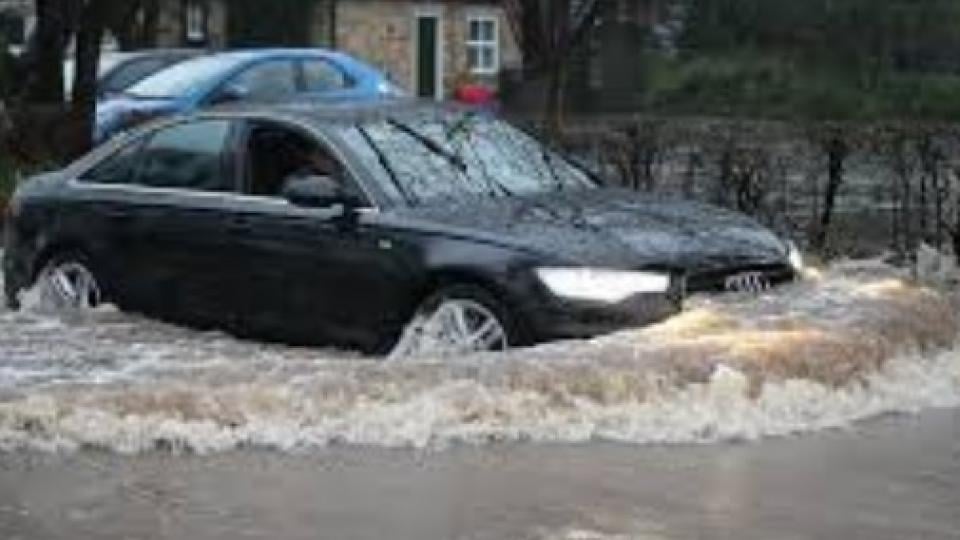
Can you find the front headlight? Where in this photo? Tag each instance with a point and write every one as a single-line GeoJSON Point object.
{"type": "Point", "coordinates": [601, 285]}
{"type": "Point", "coordinates": [795, 258]}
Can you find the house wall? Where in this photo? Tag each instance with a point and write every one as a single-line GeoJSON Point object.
{"type": "Point", "coordinates": [170, 24]}
{"type": "Point", "coordinates": [382, 32]}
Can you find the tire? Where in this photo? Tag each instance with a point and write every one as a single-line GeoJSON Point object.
{"type": "Point", "coordinates": [69, 281]}
{"type": "Point", "coordinates": [484, 316]}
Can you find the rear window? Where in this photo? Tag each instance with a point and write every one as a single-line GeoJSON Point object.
{"type": "Point", "coordinates": [323, 76]}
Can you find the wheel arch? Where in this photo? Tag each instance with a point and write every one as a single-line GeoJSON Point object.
{"type": "Point", "coordinates": [63, 246]}
{"type": "Point", "coordinates": [53, 249]}
{"type": "Point", "coordinates": [445, 277]}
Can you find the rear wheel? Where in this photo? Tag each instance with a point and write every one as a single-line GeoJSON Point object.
{"type": "Point", "coordinates": [457, 320]}
{"type": "Point", "coordinates": [68, 282]}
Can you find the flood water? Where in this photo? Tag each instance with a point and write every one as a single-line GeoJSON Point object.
{"type": "Point", "coordinates": [825, 409]}
{"type": "Point", "coordinates": [854, 343]}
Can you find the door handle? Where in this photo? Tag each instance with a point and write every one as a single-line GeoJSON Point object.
{"type": "Point", "coordinates": [239, 225]}
{"type": "Point", "coordinates": [117, 215]}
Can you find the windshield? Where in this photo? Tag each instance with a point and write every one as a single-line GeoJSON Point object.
{"type": "Point", "coordinates": [183, 78]}
{"type": "Point", "coordinates": [107, 63]}
{"type": "Point", "coordinates": [449, 156]}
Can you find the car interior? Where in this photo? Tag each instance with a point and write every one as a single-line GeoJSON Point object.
{"type": "Point", "coordinates": [277, 154]}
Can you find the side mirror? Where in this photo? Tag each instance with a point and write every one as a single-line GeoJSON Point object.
{"type": "Point", "coordinates": [317, 192]}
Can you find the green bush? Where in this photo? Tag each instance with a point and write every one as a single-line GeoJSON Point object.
{"type": "Point", "coordinates": [758, 86]}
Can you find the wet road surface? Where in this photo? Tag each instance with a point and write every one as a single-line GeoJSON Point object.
{"type": "Point", "coordinates": [893, 478]}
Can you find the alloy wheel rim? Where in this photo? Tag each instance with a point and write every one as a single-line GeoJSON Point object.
{"type": "Point", "coordinates": [71, 285]}
{"type": "Point", "coordinates": [455, 327]}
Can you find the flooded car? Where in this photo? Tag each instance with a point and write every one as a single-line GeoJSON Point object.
{"type": "Point", "coordinates": [395, 227]}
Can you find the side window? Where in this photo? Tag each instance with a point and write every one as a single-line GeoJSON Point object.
{"type": "Point", "coordinates": [323, 76]}
{"type": "Point", "coordinates": [187, 156]}
{"type": "Point", "coordinates": [117, 168]}
{"type": "Point", "coordinates": [267, 81]}
{"type": "Point", "coordinates": [278, 153]}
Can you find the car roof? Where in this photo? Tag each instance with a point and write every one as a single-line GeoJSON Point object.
{"type": "Point", "coordinates": [239, 57]}
{"type": "Point", "coordinates": [347, 112]}
{"type": "Point", "coordinates": [155, 52]}
{"type": "Point", "coordinates": [263, 53]}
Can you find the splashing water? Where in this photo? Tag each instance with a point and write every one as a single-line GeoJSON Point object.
{"type": "Point", "coordinates": [854, 343]}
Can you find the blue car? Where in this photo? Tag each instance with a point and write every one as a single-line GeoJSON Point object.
{"type": "Point", "coordinates": [261, 75]}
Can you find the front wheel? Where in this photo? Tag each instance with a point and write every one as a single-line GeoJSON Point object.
{"type": "Point", "coordinates": [457, 320]}
{"type": "Point", "coordinates": [68, 282]}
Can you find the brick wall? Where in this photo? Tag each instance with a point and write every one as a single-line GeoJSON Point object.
{"type": "Point", "coordinates": [382, 32]}
{"type": "Point", "coordinates": [379, 32]}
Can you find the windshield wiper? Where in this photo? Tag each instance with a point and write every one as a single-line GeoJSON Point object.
{"type": "Point", "coordinates": [547, 158]}
{"type": "Point", "coordinates": [385, 163]}
{"type": "Point", "coordinates": [431, 145]}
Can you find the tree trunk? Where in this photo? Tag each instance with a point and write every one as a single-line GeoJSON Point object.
{"type": "Point", "coordinates": [836, 156]}
{"type": "Point", "coordinates": [84, 99]}
{"type": "Point", "coordinates": [553, 114]}
{"type": "Point", "coordinates": [45, 53]}
{"type": "Point", "coordinates": [954, 233]}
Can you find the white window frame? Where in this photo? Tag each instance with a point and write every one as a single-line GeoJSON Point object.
{"type": "Point", "coordinates": [195, 20]}
{"type": "Point", "coordinates": [481, 44]}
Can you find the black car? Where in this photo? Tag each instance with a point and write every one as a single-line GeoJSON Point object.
{"type": "Point", "coordinates": [387, 226]}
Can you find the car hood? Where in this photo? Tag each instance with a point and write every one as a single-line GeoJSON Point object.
{"type": "Point", "coordinates": [611, 228]}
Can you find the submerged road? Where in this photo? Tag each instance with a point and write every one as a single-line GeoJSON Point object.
{"type": "Point", "coordinates": [893, 478]}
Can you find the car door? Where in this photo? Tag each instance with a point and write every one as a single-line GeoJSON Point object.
{"type": "Point", "coordinates": [98, 217]}
{"type": "Point", "coordinates": [314, 275]}
{"type": "Point", "coordinates": [174, 235]}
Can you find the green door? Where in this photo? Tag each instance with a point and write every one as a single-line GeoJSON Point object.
{"type": "Point", "coordinates": [427, 57]}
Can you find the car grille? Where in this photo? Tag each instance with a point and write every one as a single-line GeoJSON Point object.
{"type": "Point", "coordinates": [742, 279]}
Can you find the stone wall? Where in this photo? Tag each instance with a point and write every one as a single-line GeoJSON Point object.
{"type": "Point", "coordinates": [382, 32]}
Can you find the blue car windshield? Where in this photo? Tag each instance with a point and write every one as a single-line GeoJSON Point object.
{"type": "Point", "coordinates": [183, 78]}
{"type": "Point", "coordinates": [449, 156]}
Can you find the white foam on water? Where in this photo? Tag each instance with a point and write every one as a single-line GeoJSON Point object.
{"type": "Point", "coordinates": [853, 344]}
{"type": "Point", "coordinates": [463, 411]}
